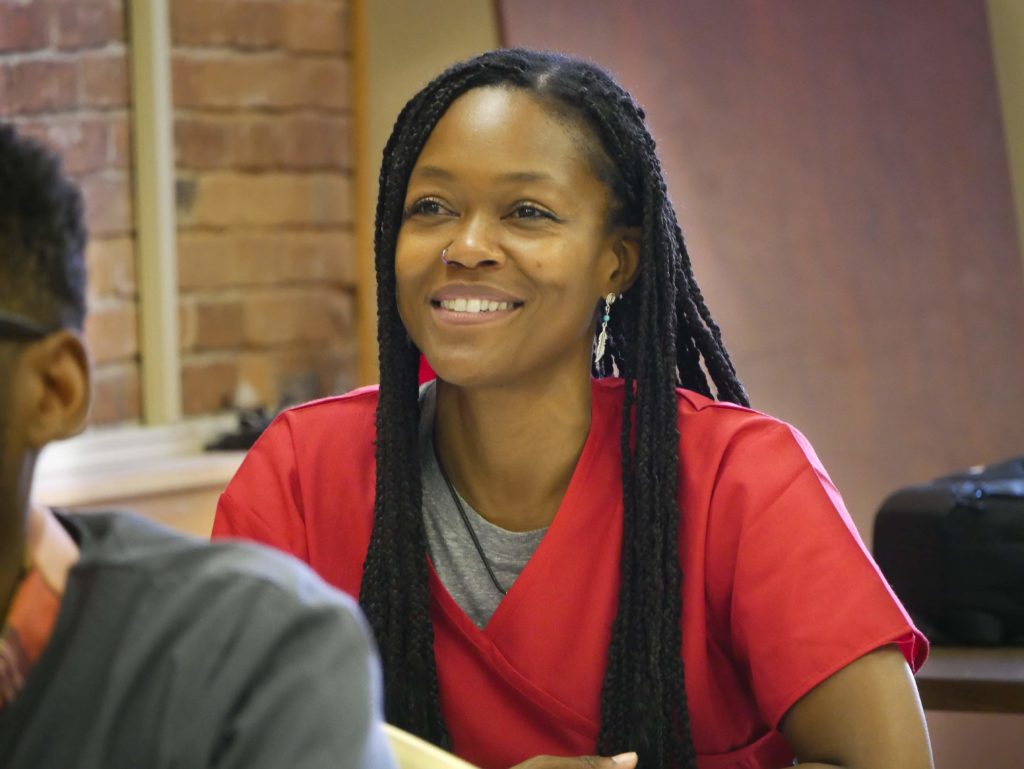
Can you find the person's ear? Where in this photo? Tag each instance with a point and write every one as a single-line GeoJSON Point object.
{"type": "Point", "coordinates": [60, 392]}
{"type": "Point", "coordinates": [626, 247]}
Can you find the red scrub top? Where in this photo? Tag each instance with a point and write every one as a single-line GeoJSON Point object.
{"type": "Point", "coordinates": [778, 590]}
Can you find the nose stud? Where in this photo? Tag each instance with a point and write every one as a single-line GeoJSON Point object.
{"type": "Point", "coordinates": [444, 255]}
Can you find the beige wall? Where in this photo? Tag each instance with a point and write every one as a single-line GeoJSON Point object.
{"type": "Point", "coordinates": [400, 46]}
{"type": "Point", "coordinates": [1006, 22]}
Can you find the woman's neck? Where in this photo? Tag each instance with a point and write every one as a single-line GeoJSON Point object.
{"type": "Point", "coordinates": [511, 451]}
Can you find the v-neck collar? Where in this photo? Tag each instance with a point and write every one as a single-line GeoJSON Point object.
{"type": "Point", "coordinates": [545, 646]}
{"type": "Point", "coordinates": [568, 527]}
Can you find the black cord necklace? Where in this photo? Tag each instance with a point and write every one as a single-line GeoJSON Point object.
{"type": "Point", "coordinates": [469, 527]}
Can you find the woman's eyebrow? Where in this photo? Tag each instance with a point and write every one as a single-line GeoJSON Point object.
{"type": "Point", "coordinates": [525, 176]}
{"type": "Point", "coordinates": [436, 172]}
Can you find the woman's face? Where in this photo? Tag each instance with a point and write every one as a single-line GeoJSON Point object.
{"type": "Point", "coordinates": [505, 189]}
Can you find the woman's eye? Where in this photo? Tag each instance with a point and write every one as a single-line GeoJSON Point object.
{"type": "Point", "coordinates": [527, 211]}
{"type": "Point", "coordinates": [426, 207]}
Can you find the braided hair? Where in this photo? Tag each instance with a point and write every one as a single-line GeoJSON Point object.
{"type": "Point", "coordinates": [661, 336]}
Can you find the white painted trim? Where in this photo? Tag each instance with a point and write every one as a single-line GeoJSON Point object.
{"type": "Point", "coordinates": [107, 465]}
{"type": "Point", "coordinates": [156, 248]}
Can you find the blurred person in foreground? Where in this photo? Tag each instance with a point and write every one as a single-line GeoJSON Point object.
{"type": "Point", "coordinates": [123, 644]}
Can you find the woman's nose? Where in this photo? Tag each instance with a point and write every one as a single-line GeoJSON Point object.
{"type": "Point", "coordinates": [474, 246]}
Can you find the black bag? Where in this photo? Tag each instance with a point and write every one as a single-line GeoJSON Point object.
{"type": "Point", "coordinates": [953, 551]}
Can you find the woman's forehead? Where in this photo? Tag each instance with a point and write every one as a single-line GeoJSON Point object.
{"type": "Point", "coordinates": [506, 131]}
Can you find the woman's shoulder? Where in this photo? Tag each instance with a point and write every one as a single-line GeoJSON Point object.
{"type": "Point", "coordinates": [334, 411]}
{"type": "Point", "coordinates": [354, 401]}
{"type": "Point", "coordinates": [344, 422]}
{"type": "Point", "coordinates": [728, 434]}
{"type": "Point", "coordinates": [718, 437]}
{"type": "Point", "coordinates": [697, 413]}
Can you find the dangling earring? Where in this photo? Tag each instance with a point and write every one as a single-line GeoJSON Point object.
{"type": "Point", "coordinates": [602, 338]}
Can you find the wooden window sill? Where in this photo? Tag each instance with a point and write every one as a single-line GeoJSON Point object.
{"type": "Point", "coordinates": [160, 472]}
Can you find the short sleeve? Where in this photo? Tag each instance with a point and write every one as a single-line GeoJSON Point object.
{"type": "Point", "coordinates": [263, 501]}
{"type": "Point", "coordinates": [806, 598]}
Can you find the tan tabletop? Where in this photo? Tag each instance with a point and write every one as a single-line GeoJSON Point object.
{"type": "Point", "coordinates": [979, 680]}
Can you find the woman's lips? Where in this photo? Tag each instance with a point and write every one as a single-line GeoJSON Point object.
{"type": "Point", "coordinates": [472, 311]}
{"type": "Point", "coordinates": [468, 304]}
{"type": "Point", "coordinates": [470, 291]}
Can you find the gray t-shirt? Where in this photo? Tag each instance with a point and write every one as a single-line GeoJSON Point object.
{"type": "Point", "coordinates": [455, 557]}
{"type": "Point", "coordinates": [169, 653]}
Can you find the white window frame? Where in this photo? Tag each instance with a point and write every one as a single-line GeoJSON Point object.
{"type": "Point", "coordinates": [156, 229]}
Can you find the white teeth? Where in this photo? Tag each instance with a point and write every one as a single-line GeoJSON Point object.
{"type": "Point", "coordinates": [474, 305]}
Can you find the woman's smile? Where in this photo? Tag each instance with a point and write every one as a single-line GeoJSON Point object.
{"type": "Point", "coordinates": [463, 305]}
{"type": "Point", "coordinates": [472, 312]}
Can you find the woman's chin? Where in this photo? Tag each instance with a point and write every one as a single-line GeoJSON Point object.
{"type": "Point", "coordinates": [469, 371]}
{"type": "Point", "coordinates": [490, 368]}
{"type": "Point", "coordinates": [468, 378]}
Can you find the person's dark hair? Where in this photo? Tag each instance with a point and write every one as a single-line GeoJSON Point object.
{"type": "Point", "coordinates": [42, 235]}
{"type": "Point", "coordinates": [661, 335]}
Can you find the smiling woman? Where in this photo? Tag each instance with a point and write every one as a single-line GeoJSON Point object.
{"type": "Point", "coordinates": [582, 506]}
{"type": "Point", "coordinates": [519, 219]}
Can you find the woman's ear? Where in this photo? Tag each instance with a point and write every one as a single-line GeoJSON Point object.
{"type": "Point", "coordinates": [59, 387]}
{"type": "Point", "coordinates": [627, 247]}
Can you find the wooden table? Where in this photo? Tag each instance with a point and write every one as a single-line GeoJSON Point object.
{"type": "Point", "coordinates": [978, 680]}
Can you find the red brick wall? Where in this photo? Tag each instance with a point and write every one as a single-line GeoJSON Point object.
{"type": "Point", "coordinates": [64, 80]}
{"type": "Point", "coordinates": [265, 189]}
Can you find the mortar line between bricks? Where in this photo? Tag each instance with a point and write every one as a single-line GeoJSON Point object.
{"type": "Point", "coordinates": [107, 302]}
{"type": "Point", "coordinates": [341, 171]}
{"type": "Point", "coordinates": [107, 172]}
{"type": "Point", "coordinates": [91, 112]}
{"type": "Point", "coordinates": [211, 356]}
{"type": "Point", "coordinates": [293, 289]}
{"type": "Point", "coordinates": [231, 355]}
{"type": "Point", "coordinates": [247, 176]}
{"type": "Point", "coordinates": [253, 109]}
{"type": "Point", "coordinates": [209, 52]}
{"type": "Point", "coordinates": [239, 291]}
{"type": "Point", "coordinates": [117, 365]}
{"type": "Point", "coordinates": [264, 229]}
{"type": "Point", "coordinates": [48, 55]}
{"type": "Point", "coordinates": [291, 230]}
{"type": "Point", "coordinates": [281, 175]}
{"type": "Point", "coordinates": [309, 111]}
{"type": "Point", "coordinates": [95, 300]}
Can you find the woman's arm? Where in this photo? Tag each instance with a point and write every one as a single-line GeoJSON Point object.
{"type": "Point", "coordinates": [866, 716]}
